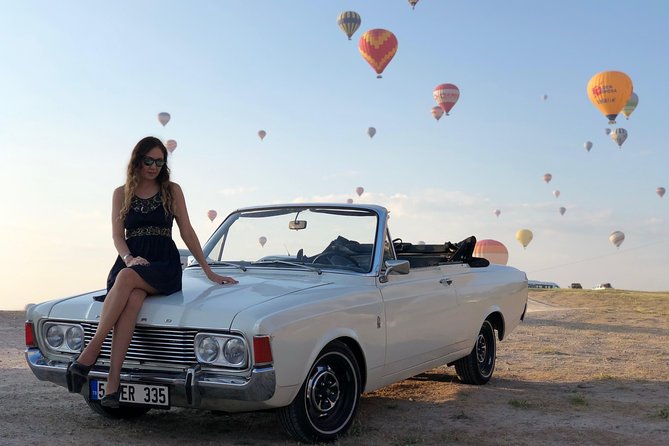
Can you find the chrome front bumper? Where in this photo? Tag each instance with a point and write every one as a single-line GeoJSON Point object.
{"type": "Point", "coordinates": [191, 387]}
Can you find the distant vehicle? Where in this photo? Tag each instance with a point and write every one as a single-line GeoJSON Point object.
{"type": "Point", "coordinates": [540, 284]}
{"type": "Point", "coordinates": [603, 286]}
{"type": "Point", "coordinates": [576, 285]}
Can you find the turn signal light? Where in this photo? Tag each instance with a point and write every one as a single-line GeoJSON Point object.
{"type": "Point", "coordinates": [262, 351]}
{"type": "Point", "coordinates": [30, 335]}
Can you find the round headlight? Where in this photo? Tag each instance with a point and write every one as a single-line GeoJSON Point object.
{"type": "Point", "coordinates": [234, 351]}
{"type": "Point", "coordinates": [74, 336]}
{"type": "Point", "coordinates": [54, 336]}
{"type": "Point", "coordinates": [207, 349]}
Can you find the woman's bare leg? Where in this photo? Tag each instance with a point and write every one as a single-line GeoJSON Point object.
{"type": "Point", "coordinates": [126, 282]}
{"type": "Point", "coordinates": [123, 330]}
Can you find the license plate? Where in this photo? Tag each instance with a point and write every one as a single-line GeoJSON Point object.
{"type": "Point", "coordinates": [130, 393]}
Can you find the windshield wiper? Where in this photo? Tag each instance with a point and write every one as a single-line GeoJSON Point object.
{"type": "Point", "coordinates": [284, 262]}
{"type": "Point", "coordinates": [242, 267]}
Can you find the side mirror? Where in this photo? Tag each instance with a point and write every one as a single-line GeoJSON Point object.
{"type": "Point", "coordinates": [296, 225]}
{"type": "Point", "coordinates": [395, 266]}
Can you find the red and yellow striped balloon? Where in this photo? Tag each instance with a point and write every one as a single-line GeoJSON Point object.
{"type": "Point", "coordinates": [492, 250]}
{"type": "Point", "coordinates": [378, 47]}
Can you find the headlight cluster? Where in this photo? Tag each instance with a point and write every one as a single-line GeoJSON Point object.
{"type": "Point", "coordinates": [63, 337]}
{"type": "Point", "coordinates": [224, 350]}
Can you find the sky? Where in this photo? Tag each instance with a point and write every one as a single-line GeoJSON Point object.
{"type": "Point", "coordinates": [82, 81]}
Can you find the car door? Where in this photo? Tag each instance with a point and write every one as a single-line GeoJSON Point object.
{"type": "Point", "coordinates": [421, 310]}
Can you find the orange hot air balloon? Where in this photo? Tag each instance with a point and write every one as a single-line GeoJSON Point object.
{"type": "Point", "coordinates": [378, 47]}
{"type": "Point", "coordinates": [446, 96]}
{"type": "Point", "coordinates": [212, 214]}
{"type": "Point", "coordinates": [492, 250]}
{"type": "Point", "coordinates": [610, 91]}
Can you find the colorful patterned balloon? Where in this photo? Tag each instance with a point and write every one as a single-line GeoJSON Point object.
{"type": "Point", "coordinates": [378, 47]}
{"type": "Point", "coordinates": [446, 96]}
{"type": "Point", "coordinates": [548, 177]}
{"type": "Point", "coordinates": [631, 105]}
{"type": "Point", "coordinates": [619, 135]}
{"type": "Point", "coordinates": [349, 22]}
{"type": "Point", "coordinates": [437, 112]}
{"type": "Point", "coordinates": [617, 238]}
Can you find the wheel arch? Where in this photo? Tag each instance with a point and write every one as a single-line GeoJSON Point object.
{"type": "Point", "coordinates": [359, 356]}
{"type": "Point", "coordinates": [497, 320]}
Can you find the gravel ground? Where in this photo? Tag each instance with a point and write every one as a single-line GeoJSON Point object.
{"type": "Point", "coordinates": [586, 367]}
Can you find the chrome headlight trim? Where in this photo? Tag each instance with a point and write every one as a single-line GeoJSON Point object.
{"type": "Point", "coordinates": [63, 337]}
{"type": "Point", "coordinates": [231, 350]}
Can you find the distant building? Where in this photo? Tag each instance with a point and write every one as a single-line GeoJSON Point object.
{"type": "Point", "coordinates": [540, 284]}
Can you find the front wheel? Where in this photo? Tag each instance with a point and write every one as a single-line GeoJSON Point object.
{"type": "Point", "coordinates": [326, 404]}
{"type": "Point", "coordinates": [477, 367]}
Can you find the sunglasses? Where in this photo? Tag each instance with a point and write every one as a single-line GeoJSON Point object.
{"type": "Point", "coordinates": [148, 161]}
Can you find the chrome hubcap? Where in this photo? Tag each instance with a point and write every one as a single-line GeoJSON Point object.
{"type": "Point", "coordinates": [481, 349]}
{"type": "Point", "coordinates": [323, 390]}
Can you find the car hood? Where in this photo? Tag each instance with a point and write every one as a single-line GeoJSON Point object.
{"type": "Point", "coordinates": [201, 303]}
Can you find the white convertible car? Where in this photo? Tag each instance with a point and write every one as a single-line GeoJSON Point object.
{"type": "Point", "coordinates": [328, 306]}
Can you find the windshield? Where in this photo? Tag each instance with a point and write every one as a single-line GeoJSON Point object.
{"type": "Point", "coordinates": [321, 238]}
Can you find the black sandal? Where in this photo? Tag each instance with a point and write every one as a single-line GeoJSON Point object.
{"type": "Point", "coordinates": [110, 400]}
{"type": "Point", "coordinates": [77, 375]}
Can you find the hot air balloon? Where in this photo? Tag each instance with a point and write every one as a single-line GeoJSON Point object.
{"type": "Point", "coordinates": [164, 118]}
{"type": "Point", "coordinates": [349, 200]}
{"type": "Point", "coordinates": [607, 131]}
{"type": "Point", "coordinates": [660, 191]}
{"type": "Point", "coordinates": [349, 22]}
{"type": "Point", "coordinates": [619, 135]}
{"type": "Point", "coordinates": [610, 91]}
{"type": "Point", "coordinates": [262, 134]}
{"type": "Point", "coordinates": [262, 240]}
{"type": "Point", "coordinates": [556, 193]}
{"type": "Point", "coordinates": [437, 112]}
{"type": "Point", "coordinates": [497, 212]}
{"type": "Point", "coordinates": [211, 214]}
{"type": "Point", "coordinates": [413, 3]}
{"type": "Point", "coordinates": [548, 177]}
{"type": "Point", "coordinates": [446, 96]}
{"type": "Point", "coordinates": [631, 105]}
{"type": "Point", "coordinates": [562, 210]}
{"type": "Point", "coordinates": [545, 97]}
{"type": "Point", "coordinates": [617, 238]}
{"type": "Point", "coordinates": [378, 47]}
{"type": "Point", "coordinates": [171, 145]}
{"type": "Point", "coordinates": [371, 132]}
{"type": "Point", "coordinates": [492, 250]}
{"type": "Point", "coordinates": [587, 145]}
{"type": "Point", "coordinates": [359, 190]}
{"type": "Point", "coordinates": [524, 236]}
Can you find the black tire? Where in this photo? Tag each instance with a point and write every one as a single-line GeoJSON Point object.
{"type": "Point", "coordinates": [327, 402]}
{"type": "Point", "coordinates": [123, 412]}
{"type": "Point", "coordinates": [478, 366]}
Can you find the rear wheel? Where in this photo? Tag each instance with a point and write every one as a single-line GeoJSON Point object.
{"type": "Point", "coordinates": [326, 404]}
{"type": "Point", "coordinates": [477, 367]}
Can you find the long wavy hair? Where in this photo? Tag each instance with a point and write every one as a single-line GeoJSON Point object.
{"type": "Point", "coordinates": [144, 146]}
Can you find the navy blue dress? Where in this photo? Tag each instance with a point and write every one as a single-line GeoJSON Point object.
{"type": "Point", "coordinates": [148, 233]}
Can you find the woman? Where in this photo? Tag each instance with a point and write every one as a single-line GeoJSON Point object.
{"type": "Point", "coordinates": [148, 262]}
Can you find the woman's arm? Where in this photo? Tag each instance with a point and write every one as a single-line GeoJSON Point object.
{"type": "Point", "coordinates": [189, 236]}
{"type": "Point", "coordinates": [118, 232]}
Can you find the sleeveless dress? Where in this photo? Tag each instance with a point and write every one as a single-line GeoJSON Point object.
{"type": "Point", "coordinates": [148, 233]}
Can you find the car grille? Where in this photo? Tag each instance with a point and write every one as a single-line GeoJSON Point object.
{"type": "Point", "coordinates": [152, 344]}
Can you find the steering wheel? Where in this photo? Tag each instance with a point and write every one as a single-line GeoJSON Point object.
{"type": "Point", "coordinates": [334, 258]}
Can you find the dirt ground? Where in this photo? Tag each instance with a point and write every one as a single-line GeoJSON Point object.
{"type": "Point", "coordinates": [586, 367]}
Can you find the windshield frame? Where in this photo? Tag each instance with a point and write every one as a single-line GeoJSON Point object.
{"type": "Point", "coordinates": [379, 212]}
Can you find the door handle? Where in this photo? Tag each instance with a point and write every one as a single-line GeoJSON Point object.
{"type": "Point", "coordinates": [446, 282]}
